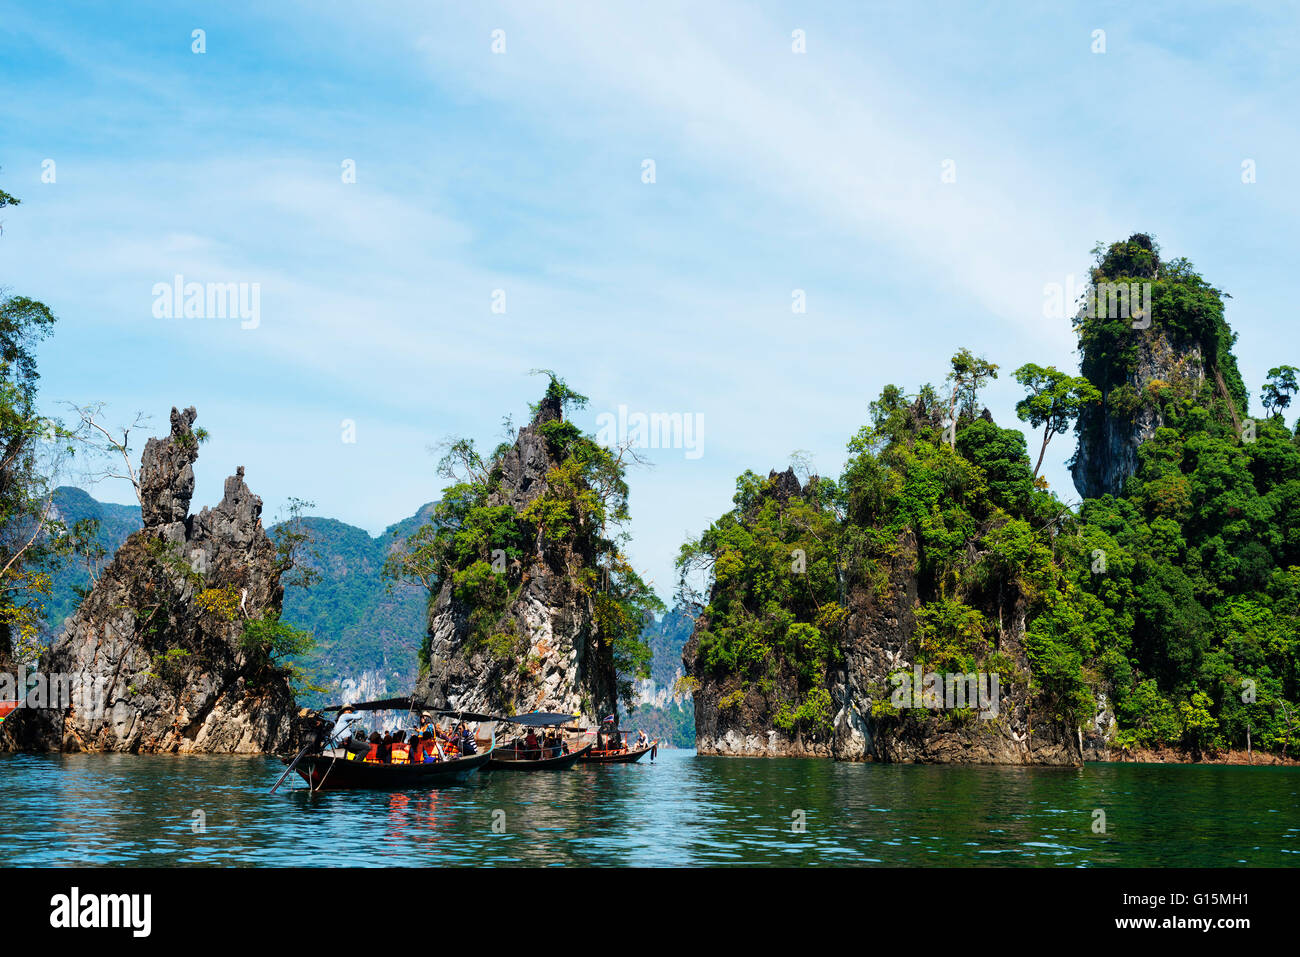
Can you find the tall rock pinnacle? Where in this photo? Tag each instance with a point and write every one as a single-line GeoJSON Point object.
{"type": "Point", "coordinates": [156, 654]}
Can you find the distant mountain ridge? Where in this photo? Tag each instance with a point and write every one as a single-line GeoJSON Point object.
{"type": "Point", "coordinates": [368, 630]}
{"type": "Point", "coordinates": [116, 522]}
{"type": "Point", "coordinates": [659, 711]}
{"type": "Point", "coordinates": [367, 636]}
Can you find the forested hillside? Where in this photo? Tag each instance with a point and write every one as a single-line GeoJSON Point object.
{"type": "Point", "coordinates": [1172, 596]}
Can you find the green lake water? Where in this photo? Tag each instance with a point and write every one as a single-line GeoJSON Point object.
{"type": "Point", "coordinates": [681, 810]}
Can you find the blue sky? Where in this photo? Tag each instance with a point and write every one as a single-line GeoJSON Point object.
{"type": "Point", "coordinates": [522, 171]}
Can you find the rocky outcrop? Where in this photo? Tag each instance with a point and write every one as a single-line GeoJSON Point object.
{"type": "Point", "coordinates": [1111, 431]}
{"type": "Point", "coordinates": [545, 652]}
{"type": "Point", "coordinates": [876, 643]}
{"type": "Point", "coordinates": [1175, 345]}
{"type": "Point", "coordinates": [733, 717]}
{"type": "Point", "coordinates": [154, 658]}
{"type": "Point", "coordinates": [167, 475]}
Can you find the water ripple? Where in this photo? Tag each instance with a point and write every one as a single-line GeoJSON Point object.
{"type": "Point", "coordinates": [125, 810]}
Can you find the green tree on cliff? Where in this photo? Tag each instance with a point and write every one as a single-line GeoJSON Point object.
{"type": "Point", "coordinates": [789, 566]}
{"type": "Point", "coordinates": [968, 374]}
{"type": "Point", "coordinates": [1054, 401]}
{"type": "Point", "coordinates": [474, 539]}
{"type": "Point", "coordinates": [32, 449]}
{"type": "Point", "coordinates": [1279, 388]}
{"type": "Point", "coordinates": [772, 625]}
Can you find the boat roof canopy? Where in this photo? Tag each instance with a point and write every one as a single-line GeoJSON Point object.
{"type": "Point", "coordinates": [536, 719]}
{"type": "Point", "coordinates": [476, 716]}
{"type": "Point", "coordinates": [385, 704]}
{"type": "Point", "coordinates": [540, 719]}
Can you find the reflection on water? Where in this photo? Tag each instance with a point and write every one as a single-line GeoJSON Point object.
{"type": "Point", "coordinates": [682, 810]}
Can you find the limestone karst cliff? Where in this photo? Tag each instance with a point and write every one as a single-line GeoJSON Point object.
{"type": "Point", "coordinates": [534, 609]}
{"type": "Point", "coordinates": [1175, 342]}
{"type": "Point", "coordinates": [734, 716]}
{"type": "Point", "coordinates": [1133, 622]}
{"type": "Point", "coordinates": [156, 655]}
{"type": "Point", "coordinates": [842, 707]}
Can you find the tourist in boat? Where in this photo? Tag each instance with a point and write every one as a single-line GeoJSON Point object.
{"type": "Point", "coordinates": [357, 745]}
{"type": "Point", "coordinates": [376, 742]}
{"type": "Point", "coordinates": [467, 744]}
{"type": "Point", "coordinates": [400, 751]}
{"type": "Point", "coordinates": [641, 739]}
{"type": "Point", "coordinates": [429, 747]}
{"type": "Point", "coordinates": [534, 749]}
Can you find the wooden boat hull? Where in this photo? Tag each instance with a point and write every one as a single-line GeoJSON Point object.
{"type": "Point", "coordinates": [325, 773]}
{"type": "Point", "coordinates": [500, 761]}
{"type": "Point", "coordinates": [630, 756]}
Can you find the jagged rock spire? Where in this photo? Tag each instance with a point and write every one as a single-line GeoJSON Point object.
{"type": "Point", "coordinates": [167, 472]}
{"type": "Point", "coordinates": [155, 652]}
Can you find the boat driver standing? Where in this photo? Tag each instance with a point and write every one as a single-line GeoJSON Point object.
{"type": "Point", "coordinates": [343, 727]}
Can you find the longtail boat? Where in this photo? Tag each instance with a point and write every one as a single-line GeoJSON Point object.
{"type": "Point", "coordinates": [623, 756]}
{"type": "Point", "coordinates": [517, 756]}
{"type": "Point", "coordinates": [331, 771]}
{"type": "Point", "coordinates": [521, 759]}
{"type": "Point", "coordinates": [338, 769]}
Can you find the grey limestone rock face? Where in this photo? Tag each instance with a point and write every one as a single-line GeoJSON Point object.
{"type": "Point", "coordinates": [167, 473]}
{"type": "Point", "coordinates": [556, 660]}
{"type": "Point", "coordinates": [153, 664]}
{"type": "Point", "coordinates": [1108, 440]}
